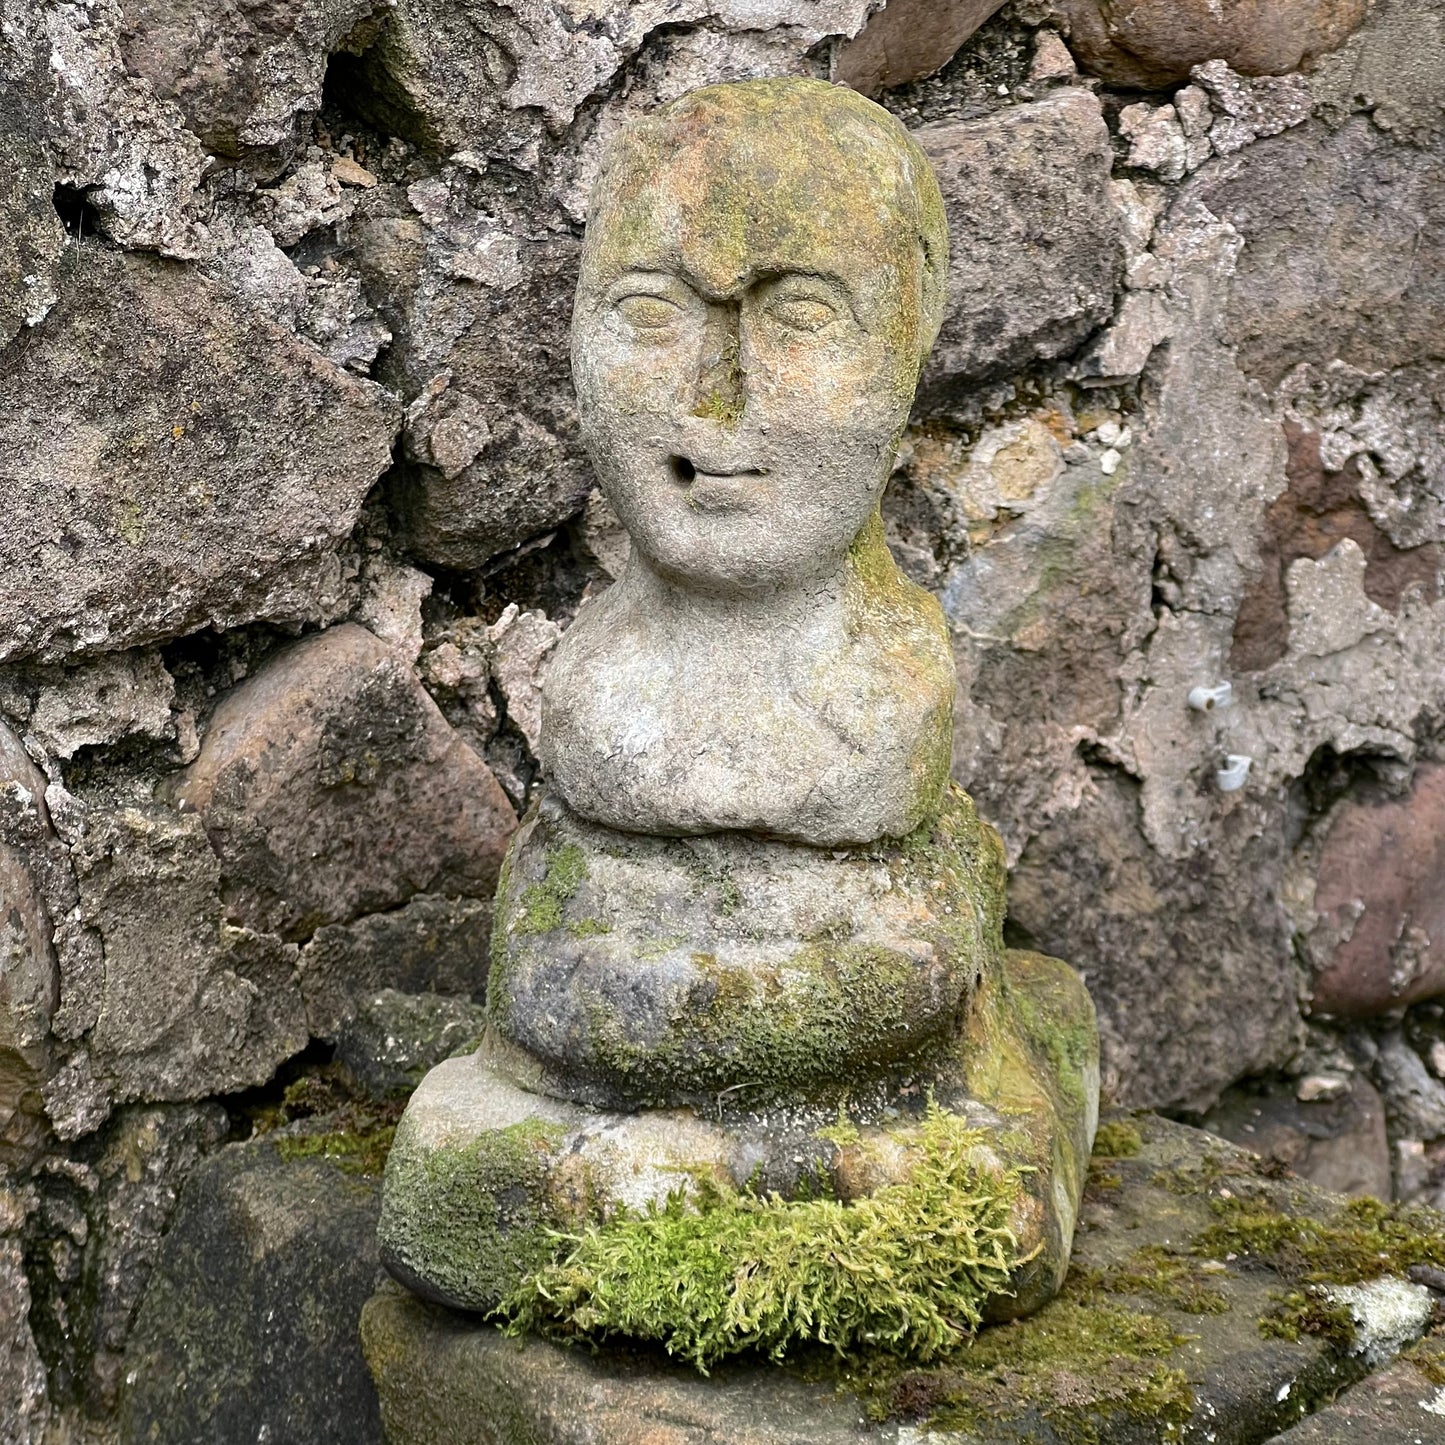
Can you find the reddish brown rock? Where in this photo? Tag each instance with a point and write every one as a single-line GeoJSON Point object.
{"type": "Point", "coordinates": [1381, 901]}
{"type": "Point", "coordinates": [1151, 44]}
{"type": "Point", "coordinates": [908, 40]}
{"type": "Point", "coordinates": [331, 786]}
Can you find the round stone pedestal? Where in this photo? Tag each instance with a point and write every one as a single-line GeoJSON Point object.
{"type": "Point", "coordinates": [645, 972]}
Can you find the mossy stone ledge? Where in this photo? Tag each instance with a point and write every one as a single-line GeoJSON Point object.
{"type": "Point", "coordinates": [1168, 1329]}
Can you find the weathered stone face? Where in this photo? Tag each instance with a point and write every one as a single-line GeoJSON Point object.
{"type": "Point", "coordinates": [761, 279]}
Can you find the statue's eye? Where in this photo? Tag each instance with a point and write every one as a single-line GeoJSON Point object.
{"type": "Point", "coordinates": [801, 313]}
{"type": "Point", "coordinates": [648, 312]}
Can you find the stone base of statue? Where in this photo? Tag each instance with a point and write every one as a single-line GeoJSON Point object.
{"type": "Point", "coordinates": [766, 1016]}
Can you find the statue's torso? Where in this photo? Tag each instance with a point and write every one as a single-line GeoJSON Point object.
{"type": "Point", "coordinates": [824, 739]}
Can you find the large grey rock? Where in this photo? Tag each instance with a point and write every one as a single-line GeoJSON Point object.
{"type": "Point", "coordinates": [331, 786]}
{"type": "Point", "coordinates": [248, 1328]}
{"type": "Point", "coordinates": [429, 78]}
{"type": "Point", "coordinates": [172, 462]}
{"type": "Point", "coordinates": [1090, 885]}
{"type": "Point", "coordinates": [492, 452]}
{"type": "Point", "coordinates": [1035, 248]}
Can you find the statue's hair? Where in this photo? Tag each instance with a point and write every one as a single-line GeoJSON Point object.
{"type": "Point", "coordinates": [837, 106]}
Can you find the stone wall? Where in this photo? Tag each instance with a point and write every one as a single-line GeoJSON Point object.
{"type": "Point", "coordinates": [294, 510]}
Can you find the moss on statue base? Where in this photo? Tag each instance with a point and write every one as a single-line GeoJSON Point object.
{"type": "Point", "coordinates": [646, 972]}
{"type": "Point", "coordinates": [908, 1269]}
{"type": "Point", "coordinates": [461, 1223]}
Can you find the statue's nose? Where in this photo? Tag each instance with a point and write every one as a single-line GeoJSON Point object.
{"type": "Point", "coordinates": [719, 392]}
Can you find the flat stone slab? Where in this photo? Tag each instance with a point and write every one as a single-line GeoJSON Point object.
{"type": "Point", "coordinates": [1157, 1335]}
{"type": "Point", "coordinates": [1398, 1406]}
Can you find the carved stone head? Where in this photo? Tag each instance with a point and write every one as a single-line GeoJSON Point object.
{"type": "Point", "coordinates": [762, 280]}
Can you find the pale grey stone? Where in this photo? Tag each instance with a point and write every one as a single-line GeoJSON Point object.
{"type": "Point", "coordinates": [31, 236]}
{"type": "Point", "coordinates": [521, 643]}
{"type": "Point", "coordinates": [173, 462]}
{"type": "Point", "coordinates": [128, 694]}
{"type": "Point", "coordinates": [1156, 139]}
{"type": "Point", "coordinates": [190, 1004]}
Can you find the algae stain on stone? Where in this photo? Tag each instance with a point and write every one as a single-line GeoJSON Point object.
{"type": "Point", "coordinates": [543, 902]}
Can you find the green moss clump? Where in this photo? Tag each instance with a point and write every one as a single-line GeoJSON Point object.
{"type": "Point", "coordinates": [1079, 1360]}
{"type": "Point", "coordinates": [1365, 1240]}
{"type": "Point", "coordinates": [907, 1269]}
{"type": "Point", "coordinates": [1169, 1279]}
{"type": "Point", "coordinates": [542, 903]}
{"type": "Point", "coordinates": [354, 1153]}
{"type": "Point", "coordinates": [1309, 1312]}
{"type": "Point", "coordinates": [1428, 1356]}
{"type": "Point", "coordinates": [1118, 1139]}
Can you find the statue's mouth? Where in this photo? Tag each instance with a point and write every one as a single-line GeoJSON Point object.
{"type": "Point", "coordinates": [687, 471]}
{"type": "Point", "coordinates": [731, 489]}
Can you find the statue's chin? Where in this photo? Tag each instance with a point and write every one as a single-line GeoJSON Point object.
{"type": "Point", "coordinates": [736, 555]}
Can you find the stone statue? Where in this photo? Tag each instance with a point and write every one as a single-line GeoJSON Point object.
{"type": "Point", "coordinates": [762, 280]}
{"type": "Point", "coordinates": [750, 934]}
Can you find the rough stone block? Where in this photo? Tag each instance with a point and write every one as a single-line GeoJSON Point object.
{"type": "Point", "coordinates": [430, 944]}
{"type": "Point", "coordinates": [188, 1004]}
{"type": "Point", "coordinates": [1035, 247]}
{"type": "Point", "coordinates": [239, 75]}
{"type": "Point", "coordinates": [172, 462]}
